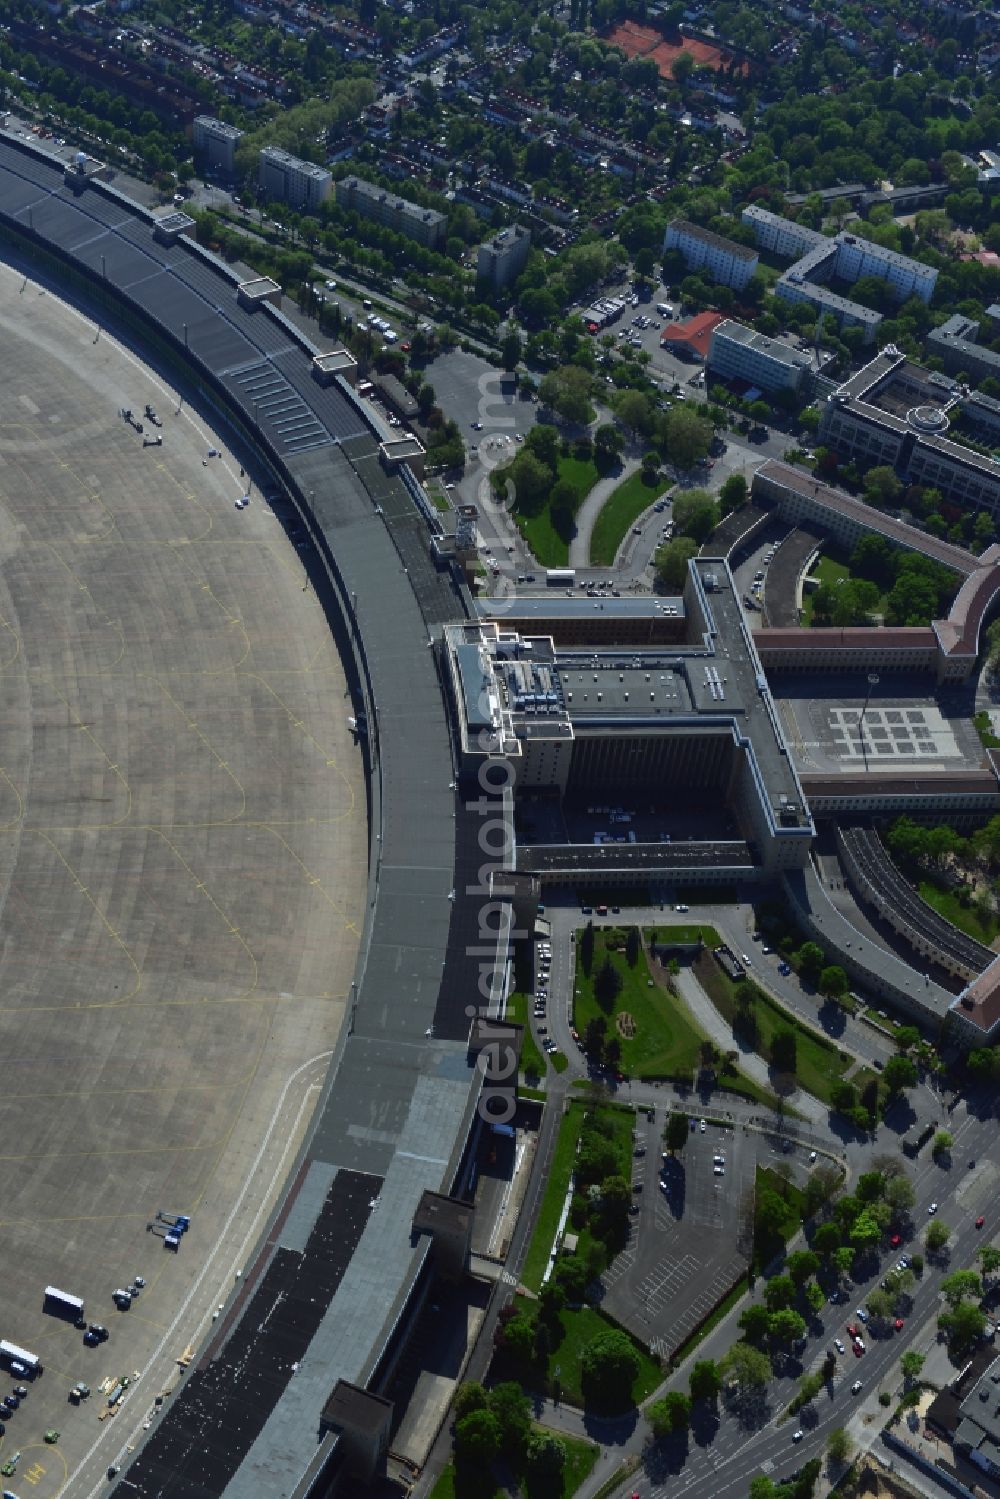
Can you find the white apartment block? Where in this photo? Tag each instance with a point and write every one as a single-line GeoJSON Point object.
{"type": "Point", "coordinates": [858, 257]}
{"type": "Point", "coordinates": [740, 353]}
{"type": "Point", "coordinates": [725, 261]}
{"type": "Point", "coordinates": [778, 235]}
{"type": "Point", "coordinates": [300, 184]}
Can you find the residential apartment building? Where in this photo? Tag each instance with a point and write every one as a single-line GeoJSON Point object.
{"type": "Point", "coordinates": [794, 286]}
{"type": "Point", "coordinates": [725, 261]}
{"type": "Point", "coordinates": [845, 258]}
{"type": "Point", "coordinates": [890, 413]}
{"type": "Point", "coordinates": [857, 257]}
{"type": "Point", "coordinates": [740, 353]}
{"type": "Point", "coordinates": [215, 144]}
{"type": "Point", "coordinates": [778, 235]}
{"type": "Point", "coordinates": [425, 225]}
{"type": "Point", "coordinates": [502, 259]}
{"type": "Point", "coordinates": [285, 178]}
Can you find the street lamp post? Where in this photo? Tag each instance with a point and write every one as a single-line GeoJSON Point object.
{"type": "Point", "coordinates": [872, 683]}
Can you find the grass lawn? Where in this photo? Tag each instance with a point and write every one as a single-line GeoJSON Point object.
{"type": "Point", "coordinates": [982, 926]}
{"type": "Point", "coordinates": [580, 1327]}
{"type": "Point", "coordinates": [581, 1456]}
{"type": "Point", "coordinates": [563, 1161]}
{"type": "Point", "coordinates": [819, 1065]}
{"type": "Point", "coordinates": [830, 567]}
{"type": "Point", "coordinates": [560, 1171]}
{"type": "Point", "coordinates": [619, 513]}
{"type": "Point", "coordinates": [532, 1061]}
{"type": "Point", "coordinates": [580, 1459]}
{"type": "Point", "coordinates": [551, 549]}
{"type": "Point", "coordinates": [794, 1199]}
{"type": "Point", "coordinates": [445, 1486]}
{"type": "Point", "coordinates": [667, 1039]}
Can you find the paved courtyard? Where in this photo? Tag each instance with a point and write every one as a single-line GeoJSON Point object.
{"type": "Point", "coordinates": [183, 856]}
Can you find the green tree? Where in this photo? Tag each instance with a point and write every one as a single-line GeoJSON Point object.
{"type": "Point", "coordinates": [688, 436]}
{"type": "Point", "coordinates": [468, 1398]}
{"type": "Point", "coordinates": [512, 1408]}
{"type": "Point", "coordinates": [964, 1325]}
{"type": "Point", "coordinates": [779, 1292]}
{"type": "Point", "coordinates": [672, 1413]}
{"type": "Point", "coordinates": [839, 1445]}
{"type": "Point", "coordinates": [943, 1141]}
{"type": "Point", "coordinates": [567, 391]}
{"type": "Point", "coordinates": [911, 1364]}
{"type": "Point", "coordinates": [672, 562]}
{"type": "Point", "coordinates": [634, 411]}
{"type": "Point", "coordinates": [899, 1073]}
{"type": "Point", "coordinates": [937, 1236]}
{"type": "Point", "coordinates": [511, 350]}
{"type": "Point", "coordinates": [544, 1462]}
{"type": "Point", "coordinates": [748, 1367]}
{"type": "Point", "coordinates": [733, 493]}
{"type": "Point", "coordinates": [882, 488]}
{"type": "Point", "coordinates": [632, 946]}
{"type": "Point", "coordinates": [786, 1326]}
{"type": "Point", "coordinates": [609, 1367]}
{"type": "Point", "coordinates": [801, 1264]}
{"type": "Point", "coordinates": [675, 1132]}
{"type": "Point", "coordinates": [833, 981]}
{"type": "Point", "coordinates": [696, 513]}
{"type": "Point", "coordinates": [477, 1439]}
{"type": "Point", "coordinates": [518, 1337]}
{"type": "Point", "coordinates": [755, 1323]}
{"type": "Point", "coordinates": [811, 960]}
{"type": "Point", "coordinates": [587, 948]}
{"type": "Point", "coordinates": [607, 984]}
{"type": "Point", "coordinates": [989, 1258]}
{"type": "Point", "coordinates": [705, 1382]}
{"type": "Point", "coordinates": [784, 1051]}
{"type": "Point", "coordinates": [960, 1284]}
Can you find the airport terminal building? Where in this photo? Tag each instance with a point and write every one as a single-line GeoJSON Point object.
{"type": "Point", "coordinates": [288, 1396]}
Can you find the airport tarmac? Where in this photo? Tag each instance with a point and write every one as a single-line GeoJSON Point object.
{"type": "Point", "coordinates": [183, 865]}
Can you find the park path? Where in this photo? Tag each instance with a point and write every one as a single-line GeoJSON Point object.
{"type": "Point", "coordinates": [579, 547]}
{"type": "Point", "coordinates": [719, 1031]}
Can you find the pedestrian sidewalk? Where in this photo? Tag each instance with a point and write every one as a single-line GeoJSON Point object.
{"type": "Point", "coordinates": [712, 1023]}
{"type": "Point", "coordinates": [586, 516]}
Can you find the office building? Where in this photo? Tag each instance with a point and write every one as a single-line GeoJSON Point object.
{"type": "Point", "coordinates": [722, 259]}
{"type": "Point", "coordinates": [740, 353]}
{"type": "Point", "coordinates": [892, 412]}
{"type": "Point", "coordinates": [502, 259]}
{"type": "Point", "coordinates": [215, 144]}
{"type": "Point", "coordinates": [286, 179]}
{"type": "Point", "coordinates": [425, 225]}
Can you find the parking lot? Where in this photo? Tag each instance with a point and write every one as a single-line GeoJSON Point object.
{"type": "Point", "coordinates": [685, 1246]}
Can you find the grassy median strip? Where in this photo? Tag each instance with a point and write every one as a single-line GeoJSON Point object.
{"type": "Point", "coordinates": [532, 1062]}
{"type": "Point", "coordinates": [560, 1172]}
{"type": "Point", "coordinates": [619, 514]}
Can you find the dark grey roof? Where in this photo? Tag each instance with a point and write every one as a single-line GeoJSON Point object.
{"type": "Point", "coordinates": [400, 1107]}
